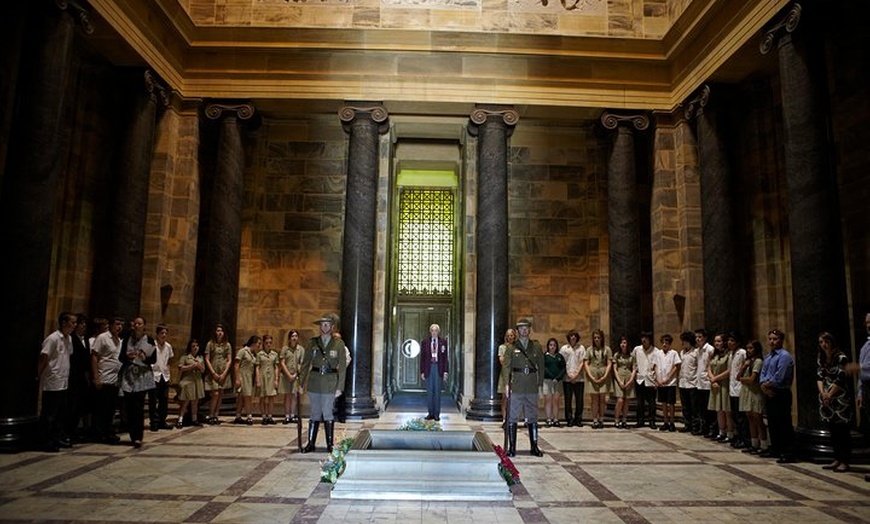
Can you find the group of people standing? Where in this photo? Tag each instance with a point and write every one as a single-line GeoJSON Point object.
{"type": "Point", "coordinates": [730, 391]}
{"type": "Point", "coordinates": [82, 379]}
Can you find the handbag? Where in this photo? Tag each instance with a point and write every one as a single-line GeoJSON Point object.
{"type": "Point", "coordinates": [136, 377]}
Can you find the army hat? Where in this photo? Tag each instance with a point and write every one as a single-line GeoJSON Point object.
{"type": "Point", "coordinates": [524, 322]}
{"type": "Point", "coordinates": [332, 319]}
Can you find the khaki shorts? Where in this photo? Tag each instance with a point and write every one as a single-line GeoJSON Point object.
{"type": "Point", "coordinates": [552, 386]}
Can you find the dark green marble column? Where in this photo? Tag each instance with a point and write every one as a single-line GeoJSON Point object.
{"type": "Point", "coordinates": [817, 260]}
{"type": "Point", "coordinates": [364, 124]}
{"type": "Point", "coordinates": [27, 212]}
{"type": "Point", "coordinates": [493, 127]}
{"type": "Point", "coordinates": [219, 280]}
{"type": "Point", "coordinates": [122, 274]}
{"type": "Point", "coordinates": [623, 226]}
{"type": "Point", "coordinates": [723, 289]}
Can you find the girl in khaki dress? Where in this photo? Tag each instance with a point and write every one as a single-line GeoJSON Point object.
{"type": "Point", "coordinates": [289, 365]}
{"type": "Point", "coordinates": [190, 366]}
{"type": "Point", "coordinates": [598, 361]}
{"type": "Point", "coordinates": [752, 399]}
{"type": "Point", "coordinates": [719, 370]}
{"type": "Point", "coordinates": [624, 373]}
{"type": "Point", "coordinates": [218, 355]}
{"type": "Point", "coordinates": [244, 372]}
{"type": "Point", "coordinates": [266, 376]}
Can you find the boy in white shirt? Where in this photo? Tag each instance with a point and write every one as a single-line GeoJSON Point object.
{"type": "Point", "coordinates": [647, 356]}
{"type": "Point", "coordinates": [667, 371]}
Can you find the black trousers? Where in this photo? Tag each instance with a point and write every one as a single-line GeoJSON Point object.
{"type": "Point", "coordinates": [158, 403]}
{"type": "Point", "coordinates": [573, 396]}
{"type": "Point", "coordinates": [646, 403]}
{"type": "Point", "coordinates": [687, 403]}
{"type": "Point", "coordinates": [741, 421]}
{"type": "Point", "coordinates": [105, 405]}
{"type": "Point", "coordinates": [51, 417]}
{"type": "Point", "coordinates": [134, 406]}
{"type": "Point", "coordinates": [779, 423]}
{"type": "Point", "coordinates": [706, 418]}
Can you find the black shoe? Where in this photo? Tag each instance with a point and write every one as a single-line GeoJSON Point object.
{"type": "Point", "coordinates": [664, 427]}
{"type": "Point", "coordinates": [238, 420]}
{"type": "Point", "coordinates": [578, 423]}
{"type": "Point", "coordinates": [111, 439]}
{"type": "Point", "coordinates": [767, 453]}
{"type": "Point", "coordinates": [166, 426]}
{"type": "Point", "coordinates": [249, 421]}
{"type": "Point", "coordinates": [50, 448]}
{"type": "Point", "coordinates": [179, 424]}
{"type": "Point", "coordinates": [437, 419]}
{"type": "Point", "coordinates": [557, 424]}
{"type": "Point", "coordinates": [196, 423]}
{"type": "Point", "coordinates": [64, 443]}
{"type": "Point", "coordinates": [652, 425]}
{"type": "Point", "coordinates": [153, 428]}
{"type": "Point", "coordinates": [785, 459]}
{"type": "Point", "coordinates": [569, 422]}
{"type": "Point", "coordinates": [671, 427]}
{"type": "Point", "coordinates": [430, 417]}
{"type": "Point", "coordinates": [137, 444]}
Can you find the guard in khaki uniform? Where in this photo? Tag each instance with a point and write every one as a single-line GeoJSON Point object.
{"type": "Point", "coordinates": [523, 373]}
{"type": "Point", "coordinates": [323, 369]}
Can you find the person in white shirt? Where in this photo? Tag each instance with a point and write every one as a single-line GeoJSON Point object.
{"type": "Point", "coordinates": [688, 382]}
{"type": "Point", "coordinates": [53, 373]}
{"type": "Point", "coordinates": [738, 357]}
{"type": "Point", "coordinates": [105, 365]}
{"type": "Point", "coordinates": [574, 382]}
{"type": "Point", "coordinates": [667, 371]}
{"type": "Point", "coordinates": [708, 427]}
{"type": "Point", "coordinates": [647, 357]}
{"type": "Point", "coordinates": [158, 398]}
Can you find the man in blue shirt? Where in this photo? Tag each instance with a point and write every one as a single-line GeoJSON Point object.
{"type": "Point", "coordinates": [777, 375]}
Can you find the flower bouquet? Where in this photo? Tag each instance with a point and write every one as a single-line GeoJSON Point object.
{"type": "Point", "coordinates": [333, 467]}
{"type": "Point", "coordinates": [506, 467]}
{"type": "Point", "coordinates": [419, 424]}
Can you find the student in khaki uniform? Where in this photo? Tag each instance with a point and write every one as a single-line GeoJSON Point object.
{"type": "Point", "coordinates": [323, 371]}
{"type": "Point", "coordinates": [523, 373]}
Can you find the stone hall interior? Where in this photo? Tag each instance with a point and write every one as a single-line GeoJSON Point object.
{"type": "Point", "coordinates": [623, 165]}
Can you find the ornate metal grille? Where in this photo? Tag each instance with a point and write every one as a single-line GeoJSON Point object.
{"type": "Point", "coordinates": [426, 242]}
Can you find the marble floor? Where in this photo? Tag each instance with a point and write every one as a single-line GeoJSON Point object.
{"type": "Point", "coordinates": [255, 474]}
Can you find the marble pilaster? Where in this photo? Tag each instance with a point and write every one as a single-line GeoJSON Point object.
{"type": "Point", "coordinates": [364, 124]}
{"type": "Point", "coordinates": [493, 127]}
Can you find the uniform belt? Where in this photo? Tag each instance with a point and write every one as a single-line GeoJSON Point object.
{"type": "Point", "coordinates": [525, 371]}
{"type": "Point", "coordinates": [324, 371]}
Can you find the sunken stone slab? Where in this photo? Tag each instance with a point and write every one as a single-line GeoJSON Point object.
{"type": "Point", "coordinates": [421, 465]}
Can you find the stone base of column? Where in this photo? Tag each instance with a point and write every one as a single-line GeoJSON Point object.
{"type": "Point", "coordinates": [358, 408]}
{"type": "Point", "coordinates": [814, 445]}
{"type": "Point", "coordinates": [18, 434]}
{"type": "Point", "coordinates": [487, 410]}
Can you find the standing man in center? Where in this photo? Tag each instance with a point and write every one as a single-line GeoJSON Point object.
{"type": "Point", "coordinates": [523, 373]}
{"type": "Point", "coordinates": [433, 370]}
{"type": "Point", "coordinates": [323, 371]}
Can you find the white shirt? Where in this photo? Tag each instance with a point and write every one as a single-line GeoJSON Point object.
{"type": "Point", "coordinates": [704, 354]}
{"type": "Point", "coordinates": [647, 361]}
{"type": "Point", "coordinates": [574, 362]}
{"type": "Point", "coordinates": [107, 352]}
{"type": "Point", "coordinates": [667, 361]}
{"type": "Point", "coordinates": [689, 368]}
{"type": "Point", "coordinates": [161, 367]}
{"type": "Point", "coordinates": [737, 360]}
{"type": "Point", "coordinates": [58, 348]}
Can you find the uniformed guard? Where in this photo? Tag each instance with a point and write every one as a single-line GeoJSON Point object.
{"type": "Point", "coordinates": [323, 370]}
{"type": "Point", "coordinates": [523, 373]}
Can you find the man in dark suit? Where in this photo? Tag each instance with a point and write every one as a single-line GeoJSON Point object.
{"type": "Point", "coordinates": [433, 369]}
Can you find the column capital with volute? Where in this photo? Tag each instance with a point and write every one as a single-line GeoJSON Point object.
{"type": "Point", "coordinates": [611, 120]}
{"type": "Point", "coordinates": [353, 111]}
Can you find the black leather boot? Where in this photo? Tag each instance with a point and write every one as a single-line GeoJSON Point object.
{"type": "Point", "coordinates": [312, 436]}
{"type": "Point", "coordinates": [328, 427]}
{"type": "Point", "coordinates": [533, 438]}
{"type": "Point", "coordinates": [512, 440]}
